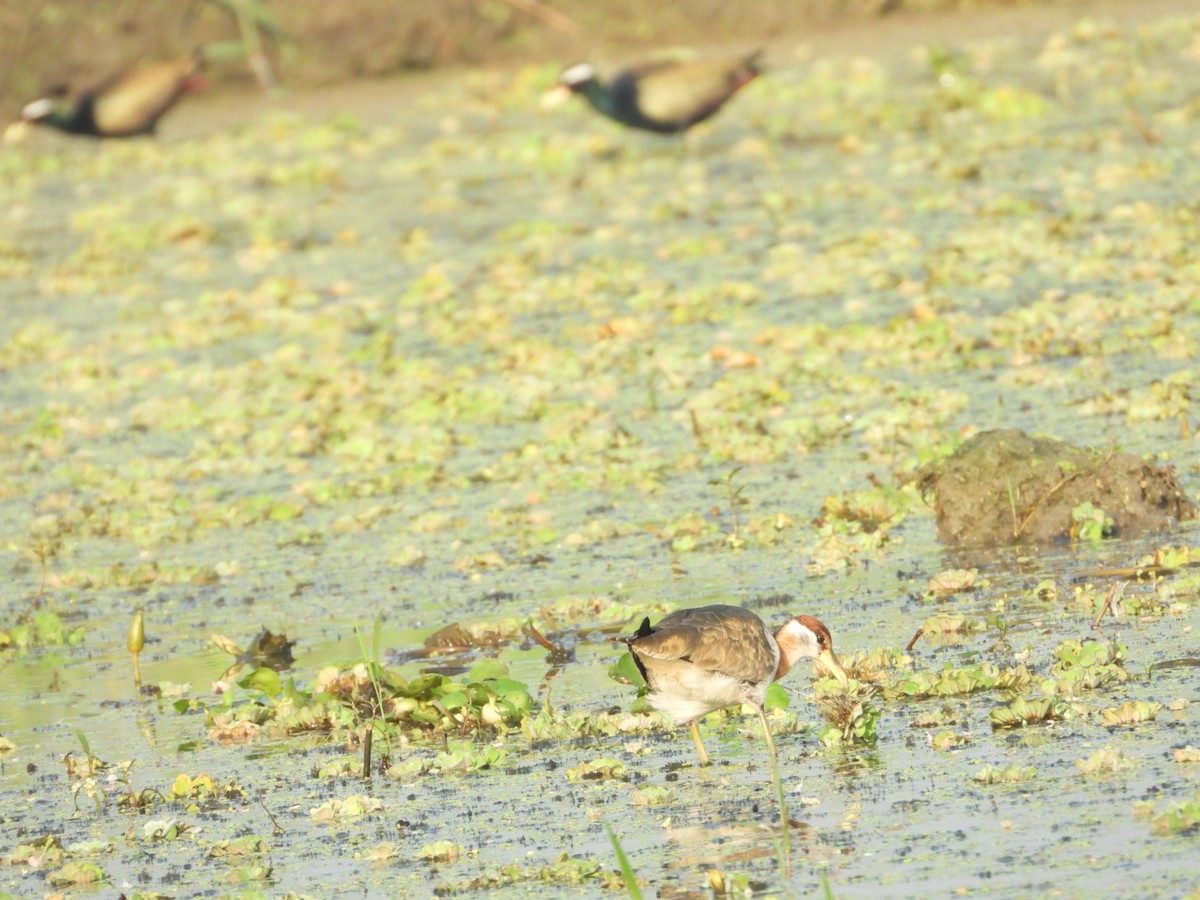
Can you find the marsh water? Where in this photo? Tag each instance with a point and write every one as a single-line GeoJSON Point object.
{"type": "Point", "coordinates": [424, 354]}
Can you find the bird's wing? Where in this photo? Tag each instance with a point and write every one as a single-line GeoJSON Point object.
{"type": "Point", "coordinates": [141, 95]}
{"type": "Point", "coordinates": [725, 639]}
{"type": "Point", "coordinates": [671, 92]}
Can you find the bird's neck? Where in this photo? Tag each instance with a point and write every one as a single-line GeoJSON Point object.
{"type": "Point", "coordinates": [599, 95]}
{"type": "Point", "coordinates": [791, 651]}
{"type": "Point", "coordinates": [785, 665]}
{"type": "Point", "coordinates": [71, 119]}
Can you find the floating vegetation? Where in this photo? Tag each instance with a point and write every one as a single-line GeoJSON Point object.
{"type": "Point", "coordinates": [1104, 762]}
{"type": "Point", "coordinates": [602, 769]}
{"type": "Point", "coordinates": [950, 623]}
{"type": "Point", "coordinates": [459, 757]}
{"type": "Point", "coordinates": [564, 871]}
{"type": "Point", "coordinates": [246, 845]}
{"type": "Point", "coordinates": [1011, 774]}
{"type": "Point", "coordinates": [1089, 523]}
{"type": "Point", "coordinates": [155, 830]}
{"type": "Point", "coordinates": [1131, 712]}
{"type": "Point", "coordinates": [442, 851]}
{"type": "Point", "coordinates": [852, 716]}
{"type": "Point", "coordinates": [333, 811]}
{"type": "Point", "coordinates": [956, 682]}
{"type": "Point", "coordinates": [1084, 665]}
{"type": "Point", "coordinates": [43, 629]}
{"type": "Point", "coordinates": [265, 650]}
{"type": "Point", "coordinates": [1183, 818]}
{"type": "Point", "coordinates": [653, 795]}
{"type": "Point", "coordinates": [953, 581]}
{"type": "Point", "coordinates": [949, 740]}
{"type": "Point", "coordinates": [340, 700]}
{"type": "Point", "coordinates": [1023, 711]}
{"type": "Point", "coordinates": [875, 509]}
{"type": "Point", "coordinates": [75, 874]}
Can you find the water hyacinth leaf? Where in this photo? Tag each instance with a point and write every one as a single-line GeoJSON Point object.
{"type": "Point", "coordinates": [263, 679]}
{"type": "Point", "coordinates": [422, 688]}
{"type": "Point", "coordinates": [478, 695]}
{"type": "Point", "coordinates": [506, 686]}
{"type": "Point", "coordinates": [777, 697]}
{"type": "Point", "coordinates": [625, 671]}
{"type": "Point", "coordinates": [488, 669]}
{"type": "Point", "coordinates": [427, 716]}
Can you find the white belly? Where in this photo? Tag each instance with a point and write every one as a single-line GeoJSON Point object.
{"type": "Point", "coordinates": [690, 693]}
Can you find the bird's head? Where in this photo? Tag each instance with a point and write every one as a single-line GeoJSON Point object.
{"type": "Point", "coordinates": [803, 637]}
{"type": "Point", "coordinates": [577, 76]}
{"type": "Point", "coordinates": [571, 80]}
{"type": "Point", "coordinates": [32, 113]}
{"type": "Point", "coordinates": [38, 110]}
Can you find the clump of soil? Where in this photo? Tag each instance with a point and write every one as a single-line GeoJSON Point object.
{"type": "Point", "coordinates": [1005, 487]}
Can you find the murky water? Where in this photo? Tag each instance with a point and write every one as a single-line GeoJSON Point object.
{"type": "Point", "coordinates": [315, 370]}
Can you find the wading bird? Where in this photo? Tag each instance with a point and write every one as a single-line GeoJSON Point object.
{"type": "Point", "coordinates": [698, 660]}
{"type": "Point", "coordinates": [666, 96]}
{"type": "Point", "coordinates": [126, 104]}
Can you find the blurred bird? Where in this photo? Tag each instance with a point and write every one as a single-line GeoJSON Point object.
{"type": "Point", "coordinates": [698, 660]}
{"type": "Point", "coordinates": [665, 96]}
{"type": "Point", "coordinates": [124, 105]}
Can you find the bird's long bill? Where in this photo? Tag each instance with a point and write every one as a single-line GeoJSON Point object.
{"type": "Point", "coordinates": [556, 96]}
{"type": "Point", "coordinates": [829, 660]}
{"type": "Point", "coordinates": [17, 131]}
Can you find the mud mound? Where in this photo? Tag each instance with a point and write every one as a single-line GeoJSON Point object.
{"type": "Point", "coordinates": [1005, 487]}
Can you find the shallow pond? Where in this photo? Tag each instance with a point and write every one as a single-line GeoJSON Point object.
{"type": "Point", "coordinates": [457, 360]}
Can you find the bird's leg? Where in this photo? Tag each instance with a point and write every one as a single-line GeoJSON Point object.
{"type": "Point", "coordinates": [762, 717]}
{"type": "Point", "coordinates": [695, 729]}
{"type": "Point", "coordinates": [785, 845]}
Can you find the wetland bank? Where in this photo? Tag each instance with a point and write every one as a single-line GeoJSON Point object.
{"type": "Point", "coordinates": [506, 382]}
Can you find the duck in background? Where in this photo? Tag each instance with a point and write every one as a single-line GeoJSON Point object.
{"type": "Point", "coordinates": [126, 104]}
{"type": "Point", "coordinates": [665, 96]}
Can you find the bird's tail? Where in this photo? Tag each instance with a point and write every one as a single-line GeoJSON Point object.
{"type": "Point", "coordinates": [643, 630]}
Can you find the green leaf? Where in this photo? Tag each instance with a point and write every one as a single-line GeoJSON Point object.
{"type": "Point", "coordinates": [487, 669]}
{"type": "Point", "coordinates": [631, 884]}
{"type": "Point", "coordinates": [263, 679]}
{"type": "Point", "coordinates": [777, 697]}
{"type": "Point", "coordinates": [505, 686]}
{"type": "Point", "coordinates": [626, 671]}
